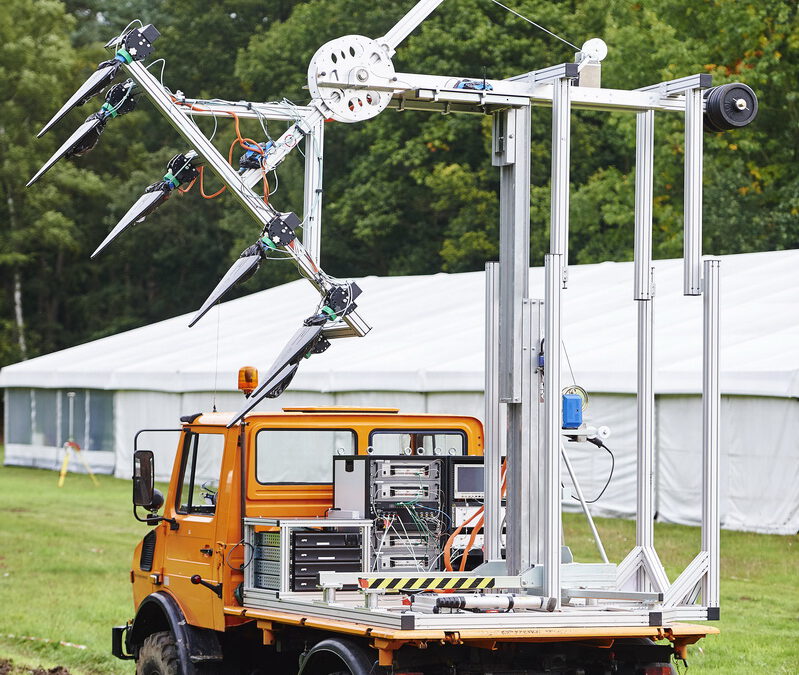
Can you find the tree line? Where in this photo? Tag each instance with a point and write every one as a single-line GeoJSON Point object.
{"type": "Point", "coordinates": [410, 193]}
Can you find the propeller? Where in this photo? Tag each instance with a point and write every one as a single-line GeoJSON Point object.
{"type": "Point", "coordinates": [133, 46]}
{"type": "Point", "coordinates": [118, 101]}
{"type": "Point", "coordinates": [279, 232]}
{"type": "Point", "coordinates": [240, 271]}
{"type": "Point", "coordinates": [179, 170]}
{"type": "Point", "coordinates": [306, 341]}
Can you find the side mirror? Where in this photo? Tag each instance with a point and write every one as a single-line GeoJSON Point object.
{"type": "Point", "coordinates": [144, 479]}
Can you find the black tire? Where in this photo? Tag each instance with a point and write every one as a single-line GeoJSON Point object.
{"type": "Point", "coordinates": [158, 655]}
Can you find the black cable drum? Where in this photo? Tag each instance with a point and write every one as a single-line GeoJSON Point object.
{"type": "Point", "coordinates": [729, 106]}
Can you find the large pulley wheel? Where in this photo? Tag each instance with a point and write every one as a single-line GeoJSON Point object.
{"type": "Point", "coordinates": [729, 106]}
{"type": "Point", "coordinates": [352, 77]}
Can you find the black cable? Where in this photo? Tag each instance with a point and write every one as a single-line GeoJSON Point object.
{"type": "Point", "coordinates": [598, 443]}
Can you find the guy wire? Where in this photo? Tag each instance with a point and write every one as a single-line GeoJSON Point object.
{"type": "Point", "coordinates": [536, 25]}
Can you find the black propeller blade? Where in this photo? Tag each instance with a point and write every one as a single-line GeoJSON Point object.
{"type": "Point", "coordinates": [83, 139]}
{"type": "Point", "coordinates": [134, 46]}
{"type": "Point", "coordinates": [307, 340]}
{"type": "Point", "coordinates": [278, 232]}
{"type": "Point", "coordinates": [98, 81]}
{"type": "Point", "coordinates": [240, 271]}
{"type": "Point", "coordinates": [118, 101]}
{"type": "Point", "coordinates": [143, 207]}
{"type": "Point", "coordinates": [179, 170]}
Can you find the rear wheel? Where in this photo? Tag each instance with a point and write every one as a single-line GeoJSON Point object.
{"type": "Point", "coordinates": [158, 655]}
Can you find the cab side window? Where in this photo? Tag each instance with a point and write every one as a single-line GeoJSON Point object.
{"type": "Point", "coordinates": [200, 469]}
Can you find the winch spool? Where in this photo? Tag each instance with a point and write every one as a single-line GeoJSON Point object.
{"type": "Point", "coordinates": [729, 106]}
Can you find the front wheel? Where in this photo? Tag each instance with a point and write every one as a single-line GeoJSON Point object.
{"type": "Point", "coordinates": [158, 655]}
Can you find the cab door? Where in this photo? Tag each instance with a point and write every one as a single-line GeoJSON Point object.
{"type": "Point", "coordinates": [191, 549]}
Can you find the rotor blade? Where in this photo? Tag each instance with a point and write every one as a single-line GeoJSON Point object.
{"type": "Point", "coordinates": [282, 370]}
{"type": "Point", "coordinates": [147, 203]}
{"type": "Point", "coordinates": [243, 267]}
{"type": "Point", "coordinates": [84, 129]}
{"type": "Point", "coordinates": [94, 85]}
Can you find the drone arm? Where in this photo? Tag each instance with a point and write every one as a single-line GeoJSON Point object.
{"type": "Point", "coordinates": [263, 213]}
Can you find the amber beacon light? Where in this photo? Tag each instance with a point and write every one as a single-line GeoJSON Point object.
{"type": "Point", "coordinates": [248, 379]}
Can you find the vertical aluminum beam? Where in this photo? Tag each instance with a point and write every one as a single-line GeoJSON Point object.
{"type": "Point", "coordinates": [561, 147]}
{"type": "Point", "coordinates": [494, 438]}
{"type": "Point", "coordinates": [550, 482]}
{"type": "Point", "coordinates": [644, 293]}
{"type": "Point", "coordinates": [312, 205]}
{"type": "Point", "coordinates": [711, 403]}
{"type": "Point", "coordinates": [644, 170]}
{"type": "Point", "coordinates": [692, 237]}
{"type": "Point", "coordinates": [512, 155]}
{"type": "Point", "coordinates": [645, 484]}
{"type": "Point", "coordinates": [511, 152]}
{"type": "Point", "coordinates": [524, 506]}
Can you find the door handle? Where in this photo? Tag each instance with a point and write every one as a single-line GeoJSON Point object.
{"type": "Point", "coordinates": [207, 551]}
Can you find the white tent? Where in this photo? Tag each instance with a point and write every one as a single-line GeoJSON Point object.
{"type": "Point", "coordinates": [425, 353]}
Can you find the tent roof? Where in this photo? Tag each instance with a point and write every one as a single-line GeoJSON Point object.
{"type": "Point", "coordinates": [428, 336]}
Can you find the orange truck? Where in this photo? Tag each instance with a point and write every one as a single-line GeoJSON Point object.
{"type": "Point", "coordinates": [199, 608]}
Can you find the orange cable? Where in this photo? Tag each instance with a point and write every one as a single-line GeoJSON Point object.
{"type": "Point", "coordinates": [240, 140]}
{"type": "Point", "coordinates": [476, 529]}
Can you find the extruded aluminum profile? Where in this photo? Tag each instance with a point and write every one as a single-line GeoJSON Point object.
{"type": "Point", "coordinates": [406, 25]}
{"type": "Point", "coordinates": [644, 171]}
{"type": "Point", "coordinates": [711, 415]}
{"type": "Point", "coordinates": [539, 92]}
{"type": "Point", "coordinates": [550, 485]}
{"type": "Point", "coordinates": [494, 439]}
{"type": "Point", "coordinates": [692, 207]}
{"type": "Point", "coordinates": [680, 85]}
{"type": "Point", "coordinates": [261, 212]}
{"type": "Point", "coordinates": [561, 149]}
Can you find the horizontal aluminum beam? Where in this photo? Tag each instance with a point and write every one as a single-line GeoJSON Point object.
{"type": "Point", "coordinates": [530, 89]}
{"type": "Point", "coordinates": [683, 84]}
{"type": "Point", "coordinates": [245, 109]}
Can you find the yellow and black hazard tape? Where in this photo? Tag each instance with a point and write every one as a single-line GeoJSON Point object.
{"type": "Point", "coordinates": [431, 583]}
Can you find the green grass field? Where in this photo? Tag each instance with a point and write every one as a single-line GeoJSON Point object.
{"type": "Point", "coordinates": [65, 557]}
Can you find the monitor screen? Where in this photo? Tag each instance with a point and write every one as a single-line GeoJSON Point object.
{"type": "Point", "coordinates": [468, 481]}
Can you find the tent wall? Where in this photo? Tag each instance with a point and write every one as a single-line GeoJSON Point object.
{"type": "Point", "coordinates": [759, 467]}
{"type": "Point", "coordinates": [759, 462]}
{"type": "Point", "coordinates": [759, 484]}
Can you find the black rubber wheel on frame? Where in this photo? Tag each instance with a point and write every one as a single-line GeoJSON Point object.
{"type": "Point", "coordinates": [158, 655]}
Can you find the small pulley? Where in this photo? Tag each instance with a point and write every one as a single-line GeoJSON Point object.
{"type": "Point", "coordinates": [729, 106]}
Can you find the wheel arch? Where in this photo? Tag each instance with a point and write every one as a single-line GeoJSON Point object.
{"type": "Point", "coordinates": [160, 612]}
{"type": "Point", "coordinates": [330, 654]}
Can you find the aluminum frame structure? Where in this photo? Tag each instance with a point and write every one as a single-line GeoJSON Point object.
{"type": "Point", "coordinates": [523, 398]}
